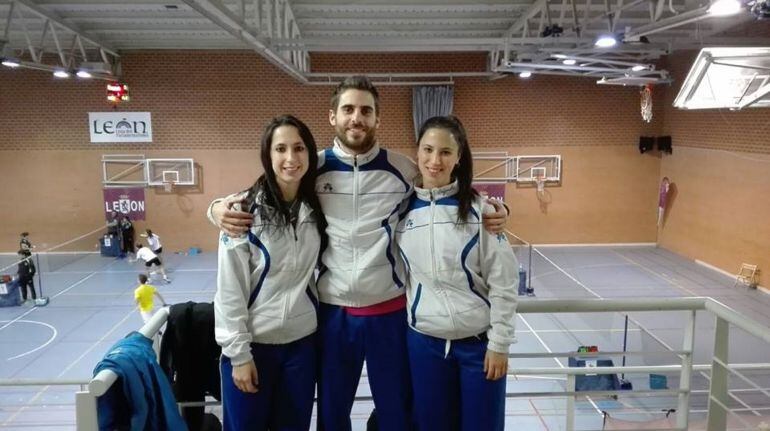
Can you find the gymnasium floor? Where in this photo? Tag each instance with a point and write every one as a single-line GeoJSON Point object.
{"type": "Point", "coordinates": [92, 307]}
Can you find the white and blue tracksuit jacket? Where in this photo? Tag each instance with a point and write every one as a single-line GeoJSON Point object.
{"type": "Point", "coordinates": [266, 286]}
{"type": "Point", "coordinates": [361, 195]}
{"type": "Point", "coordinates": [462, 279]}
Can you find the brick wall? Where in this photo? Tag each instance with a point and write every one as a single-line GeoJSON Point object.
{"type": "Point", "coordinates": [212, 106]}
{"type": "Point", "coordinates": [721, 171]}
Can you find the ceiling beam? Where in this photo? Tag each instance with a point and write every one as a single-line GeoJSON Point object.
{"type": "Point", "coordinates": [228, 21]}
{"type": "Point", "coordinates": [532, 11]}
{"type": "Point", "coordinates": [59, 21]}
{"type": "Point", "coordinates": [669, 23]}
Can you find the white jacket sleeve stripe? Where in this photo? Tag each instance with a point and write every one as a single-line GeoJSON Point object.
{"type": "Point", "coordinates": [463, 259]}
{"type": "Point", "coordinates": [414, 305]}
{"type": "Point", "coordinates": [254, 240]}
{"type": "Point", "coordinates": [389, 255]}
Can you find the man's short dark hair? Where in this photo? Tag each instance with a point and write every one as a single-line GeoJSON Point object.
{"type": "Point", "coordinates": [356, 83]}
{"type": "Point", "coordinates": [143, 278]}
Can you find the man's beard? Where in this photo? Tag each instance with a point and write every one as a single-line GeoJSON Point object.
{"type": "Point", "coordinates": [364, 145]}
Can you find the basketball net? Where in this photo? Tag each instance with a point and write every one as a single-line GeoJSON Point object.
{"type": "Point", "coordinates": [540, 182]}
{"type": "Point", "coordinates": [168, 186]}
{"type": "Point", "coordinates": [646, 103]}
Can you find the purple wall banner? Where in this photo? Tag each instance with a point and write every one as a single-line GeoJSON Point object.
{"type": "Point", "coordinates": [492, 190]}
{"type": "Point", "coordinates": [129, 201]}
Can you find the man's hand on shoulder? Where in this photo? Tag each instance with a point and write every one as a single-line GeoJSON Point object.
{"type": "Point", "coordinates": [495, 222]}
{"type": "Point", "coordinates": [230, 218]}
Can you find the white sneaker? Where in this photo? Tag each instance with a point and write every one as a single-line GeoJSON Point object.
{"type": "Point", "coordinates": [166, 280]}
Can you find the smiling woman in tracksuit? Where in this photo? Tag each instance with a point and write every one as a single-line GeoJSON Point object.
{"type": "Point", "coordinates": [461, 296]}
{"type": "Point", "coordinates": [266, 301]}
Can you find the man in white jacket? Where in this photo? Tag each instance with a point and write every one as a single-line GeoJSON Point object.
{"type": "Point", "coordinates": [362, 315]}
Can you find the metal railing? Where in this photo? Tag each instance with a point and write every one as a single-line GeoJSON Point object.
{"type": "Point", "coordinates": [718, 392]}
{"type": "Point", "coordinates": [85, 400]}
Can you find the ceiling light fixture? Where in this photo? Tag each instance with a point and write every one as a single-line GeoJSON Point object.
{"type": "Point", "coordinates": [606, 41]}
{"type": "Point", "coordinates": [725, 7]}
{"type": "Point", "coordinates": [639, 68]}
{"type": "Point", "coordinates": [61, 73]}
{"type": "Point", "coordinates": [525, 74]}
{"type": "Point", "coordinates": [84, 74]}
{"type": "Point", "coordinates": [7, 56]}
{"type": "Point", "coordinates": [11, 62]}
{"type": "Point", "coordinates": [569, 61]}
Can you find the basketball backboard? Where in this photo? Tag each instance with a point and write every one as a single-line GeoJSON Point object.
{"type": "Point", "coordinates": [123, 170]}
{"type": "Point", "coordinates": [180, 172]}
{"type": "Point", "coordinates": [733, 78]}
{"type": "Point", "coordinates": [530, 169]}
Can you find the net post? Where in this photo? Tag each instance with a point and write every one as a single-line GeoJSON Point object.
{"type": "Point", "coordinates": [39, 274]}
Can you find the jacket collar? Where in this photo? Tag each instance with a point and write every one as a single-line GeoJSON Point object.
{"type": "Point", "coordinates": [304, 210]}
{"type": "Point", "coordinates": [351, 159]}
{"type": "Point", "coordinates": [437, 193]}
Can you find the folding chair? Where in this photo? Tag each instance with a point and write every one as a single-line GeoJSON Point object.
{"type": "Point", "coordinates": [747, 275]}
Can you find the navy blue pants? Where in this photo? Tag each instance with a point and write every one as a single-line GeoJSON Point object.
{"type": "Point", "coordinates": [27, 283]}
{"type": "Point", "coordinates": [284, 402]}
{"type": "Point", "coordinates": [451, 392]}
{"type": "Point", "coordinates": [346, 341]}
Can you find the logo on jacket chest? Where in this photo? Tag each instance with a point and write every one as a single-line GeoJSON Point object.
{"type": "Point", "coordinates": [327, 188]}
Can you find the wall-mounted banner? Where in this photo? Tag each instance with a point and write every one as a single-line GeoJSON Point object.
{"type": "Point", "coordinates": [120, 126]}
{"type": "Point", "coordinates": [492, 190]}
{"type": "Point", "coordinates": [128, 201]}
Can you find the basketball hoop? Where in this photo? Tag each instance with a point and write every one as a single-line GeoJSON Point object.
{"type": "Point", "coordinates": [168, 186]}
{"type": "Point", "coordinates": [540, 183]}
{"type": "Point", "coordinates": [646, 103]}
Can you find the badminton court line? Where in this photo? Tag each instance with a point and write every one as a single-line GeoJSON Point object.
{"type": "Point", "coordinates": [702, 373]}
{"type": "Point", "coordinates": [51, 327]}
{"type": "Point", "coordinates": [69, 367]}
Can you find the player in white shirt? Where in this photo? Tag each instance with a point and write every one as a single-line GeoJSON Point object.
{"type": "Point", "coordinates": [153, 240]}
{"type": "Point", "coordinates": [151, 259]}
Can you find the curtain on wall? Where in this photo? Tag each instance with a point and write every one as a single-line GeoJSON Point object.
{"type": "Point", "coordinates": [430, 101]}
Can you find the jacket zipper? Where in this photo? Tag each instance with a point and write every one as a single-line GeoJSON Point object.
{"type": "Point", "coordinates": [439, 287]}
{"type": "Point", "coordinates": [353, 278]}
{"type": "Point", "coordinates": [294, 262]}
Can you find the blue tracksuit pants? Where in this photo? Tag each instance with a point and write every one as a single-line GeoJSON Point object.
{"type": "Point", "coordinates": [284, 402]}
{"type": "Point", "coordinates": [346, 341]}
{"type": "Point", "coordinates": [451, 392]}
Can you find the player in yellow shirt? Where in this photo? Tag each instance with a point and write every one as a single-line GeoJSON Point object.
{"type": "Point", "coordinates": [143, 295]}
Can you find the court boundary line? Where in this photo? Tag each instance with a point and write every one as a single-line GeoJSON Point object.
{"type": "Point", "coordinates": [631, 319]}
{"type": "Point", "coordinates": [761, 288]}
{"type": "Point", "coordinates": [53, 297]}
{"type": "Point", "coordinates": [53, 328]}
{"type": "Point", "coordinates": [69, 367]}
{"type": "Point", "coordinates": [608, 244]}
{"type": "Point", "coordinates": [128, 271]}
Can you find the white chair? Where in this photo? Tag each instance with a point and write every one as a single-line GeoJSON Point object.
{"type": "Point", "coordinates": [747, 275]}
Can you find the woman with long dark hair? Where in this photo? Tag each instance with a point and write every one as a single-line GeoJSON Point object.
{"type": "Point", "coordinates": [461, 295]}
{"type": "Point", "coordinates": [266, 301]}
{"type": "Point", "coordinates": [153, 241]}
